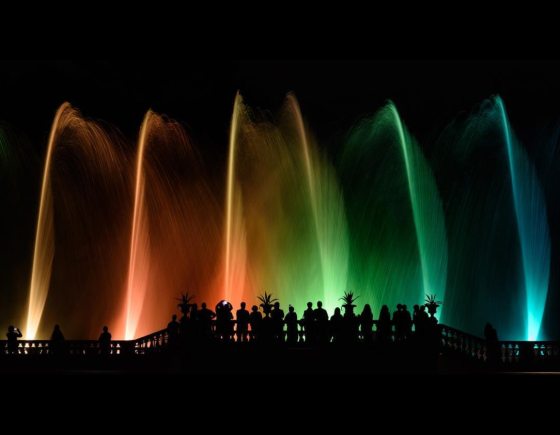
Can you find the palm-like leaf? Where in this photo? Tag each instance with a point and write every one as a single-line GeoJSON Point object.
{"type": "Point", "coordinates": [431, 300]}
{"type": "Point", "coordinates": [349, 298]}
{"type": "Point", "coordinates": [266, 299]}
{"type": "Point", "coordinates": [185, 301]}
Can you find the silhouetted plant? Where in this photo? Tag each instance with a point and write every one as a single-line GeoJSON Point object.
{"type": "Point", "coordinates": [432, 304]}
{"type": "Point", "coordinates": [185, 302]}
{"type": "Point", "coordinates": [266, 302]}
{"type": "Point", "coordinates": [349, 300]}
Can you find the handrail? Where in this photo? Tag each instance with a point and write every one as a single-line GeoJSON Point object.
{"type": "Point", "coordinates": [509, 352]}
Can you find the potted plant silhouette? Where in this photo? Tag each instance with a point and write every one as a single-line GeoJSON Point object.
{"type": "Point", "coordinates": [185, 303]}
{"type": "Point", "coordinates": [266, 303]}
{"type": "Point", "coordinates": [349, 305]}
{"type": "Point", "coordinates": [432, 305]}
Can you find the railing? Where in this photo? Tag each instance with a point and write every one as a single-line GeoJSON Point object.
{"type": "Point", "coordinates": [467, 344]}
{"type": "Point", "coordinates": [508, 353]}
{"type": "Point", "coordinates": [530, 352]}
{"type": "Point", "coordinates": [69, 347]}
{"type": "Point", "coordinates": [150, 343]}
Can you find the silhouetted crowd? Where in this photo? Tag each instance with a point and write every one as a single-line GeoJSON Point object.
{"type": "Point", "coordinates": [273, 326]}
{"type": "Point", "coordinates": [315, 327]}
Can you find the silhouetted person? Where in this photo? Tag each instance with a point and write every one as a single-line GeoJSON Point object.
{"type": "Point", "coordinates": [224, 321]}
{"type": "Point", "coordinates": [308, 322]}
{"type": "Point", "coordinates": [336, 326]}
{"type": "Point", "coordinates": [398, 322]}
{"type": "Point", "coordinates": [384, 325]}
{"type": "Point", "coordinates": [406, 321]}
{"type": "Point", "coordinates": [492, 345]}
{"type": "Point", "coordinates": [173, 329]}
{"type": "Point", "coordinates": [105, 341]}
{"type": "Point", "coordinates": [291, 326]}
{"type": "Point", "coordinates": [255, 320]}
{"type": "Point", "coordinates": [321, 326]}
{"type": "Point", "coordinates": [242, 317]}
{"type": "Point", "coordinates": [422, 323]}
{"type": "Point", "coordinates": [277, 316]}
{"type": "Point", "coordinates": [205, 317]}
{"type": "Point", "coordinates": [490, 333]}
{"type": "Point", "coordinates": [416, 319]}
{"type": "Point", "coordinates": [57, 344]}
{"type": "Point", "coordinates": [13, 334]}
{"type": "Point", "coordinates": [366, 323]}
{"type": "Point", "coordinates": [350, 324]}
{"type": "Point", "coordinates": [190, 327]}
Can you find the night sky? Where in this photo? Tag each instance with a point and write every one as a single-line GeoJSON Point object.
{"type": "Point", "coordinates": [333, 94]}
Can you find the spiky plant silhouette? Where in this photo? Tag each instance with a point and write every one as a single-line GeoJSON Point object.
{"type": "Point", "coordinates": [266, 302]}
{"type": "Point", "coordinates": [432, 304]}
{"type": "Point", "coordinates": [185, 302]}
{"type": "Point", "coordinates": [349, 299]}
{"type": "Point", "coordinates": [349, 305]}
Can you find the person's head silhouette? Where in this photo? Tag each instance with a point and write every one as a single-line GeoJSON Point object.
{"type": "Point", "coordinates": [105, 329]}
{"type": "Point", "coordinates": [337, 311]}
{"type": "Point", "coordinates": [254, 308]}
{"type": "Point", "coordinates": [291, 309]}
{"type": "Point", "coordinates": [319, 304]}
{"type": "Point", "coordinates": [11, 328]}
{"type": "Point", "coordinates": [204, 305]}
{"type": "Point", "coordinates": [174, 317]}
{"type": "Point", "coordinates": [309, 304]}
{"type": "Point", "coordinates": [277, 305]}
{"type": "Point", "coordinates": [243, 305]}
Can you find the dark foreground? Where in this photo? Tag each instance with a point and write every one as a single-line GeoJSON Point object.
{"type": "Point", "coordinates": [240, 359]}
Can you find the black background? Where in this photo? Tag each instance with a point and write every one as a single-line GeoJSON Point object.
{"type": "Point", "coordinates": [333, 94]}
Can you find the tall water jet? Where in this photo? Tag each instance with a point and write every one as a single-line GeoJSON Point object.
{"type": "Point", "coordinates": [285, 229]}
{"type": "Point", "coordinates": [84, 186]}
{"type": "Point", "coordinates": [499, 237]}
{"type": "Point", "coordinates": [174, 245]}
{"type": "Point", "coordinates": [139, 261]}
{"type": "Point", "coordinates": [43, 254]}
{"type": "Point", "coordinates": [235, 249]}
{"type": "Point", "coordinates": [532, 225]}
{"type": "Point", "coordinates": [397, 227]}
{"type": "Point", "coordinates": [326, 202]}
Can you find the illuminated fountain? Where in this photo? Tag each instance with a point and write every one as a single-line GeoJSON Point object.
{"type": "Point", "coordinates": [285, 228]}
{"type": "Point", "coordinates": [83, 190]}
{"type": "Point", "coordinates": [498, 229]}
{"type": "Point", "coordinates": [398, 244]}
{"type": "Point", "coordinates": [119, 238]}
{"type": "Point", "coordinates": [175, 235]}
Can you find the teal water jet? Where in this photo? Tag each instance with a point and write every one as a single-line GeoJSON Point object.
{"type": "Point", "coordinates": [532, 225]}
